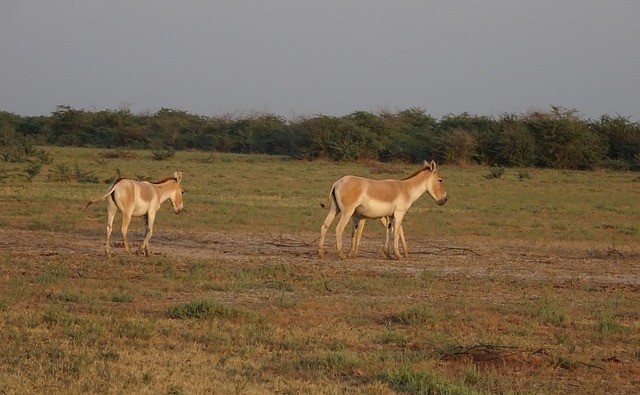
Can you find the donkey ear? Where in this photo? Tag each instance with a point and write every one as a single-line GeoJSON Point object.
{"type": "Point", "coordinates": [425, 164]}
{"type": "Point", "coordinates": [178, 175]}
{"type": "Point", "coordinates": [433, 166]}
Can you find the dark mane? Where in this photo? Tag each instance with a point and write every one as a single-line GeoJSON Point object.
{"type": "Point", "coordinates": [424, 168]}
{"type": "Point", "coordinates": [117, 181]}
{"type": "Point", "coordinates": [165, 180]}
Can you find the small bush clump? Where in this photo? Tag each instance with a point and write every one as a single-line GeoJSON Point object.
{"type": "Point", "coordinates": [413, 316]}
{"type": "Point", "coordinates": [202, 309]}
{"type": "Point", "coordinates": [64, 173]}
{"type": "Point", "coordinates": [496, 172]}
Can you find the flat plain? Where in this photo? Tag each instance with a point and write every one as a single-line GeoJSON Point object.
{"type": "Point", "coordinates": [524, 284]}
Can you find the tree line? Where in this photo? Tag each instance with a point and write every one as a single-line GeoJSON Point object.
{"type": "Point", "coordinates": [557, 138]}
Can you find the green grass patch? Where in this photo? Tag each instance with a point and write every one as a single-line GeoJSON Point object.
{"type": "Point", "coordinates": [417, 315]}
{"type": "Point", "coordinates": [408, 380]}
{"type": "Point", "coordinates": [551, 311]}
{"type": "Point", "coordinates": [204, 309]}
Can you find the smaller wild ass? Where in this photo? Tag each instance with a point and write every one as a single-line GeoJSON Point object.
{"type": "Point", "coordinates": [140, 198]}
{"type": "Point", "coordinates": [387, 222]}
{"type": "Point", "coordinates": [358, 199]}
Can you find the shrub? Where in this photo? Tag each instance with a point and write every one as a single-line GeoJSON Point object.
{"type": "Point", "coordinates": [461, 147]}
{"type": "Point", "coordinates": [623, 141]}
{"type": "Point", "coordinates": [514, 144]}
{"type": "Point", "coordinates": [523, 175]}
{"type": "Point", "coordinates": [563, 141]}
{"type": "Point", "coordinates": [496, 172]}
{"type": "Point", "coordinates": [63, 173]}
{"type": "Point", "coordinates": [163, 153]}
{"type": "Point", "coordinates": [33, 169]}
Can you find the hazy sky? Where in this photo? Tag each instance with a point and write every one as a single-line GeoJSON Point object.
{"type": "Point", "coordinates": [329, 57]}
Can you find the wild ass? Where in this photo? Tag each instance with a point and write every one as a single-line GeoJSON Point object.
{"type": "Point", "coordinates": [140, 198]}
{"type": "Point", "coordinates": [359, 198]}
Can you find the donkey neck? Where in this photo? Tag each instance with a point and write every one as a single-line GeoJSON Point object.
{"type": "Point", "coordinates": [416, 184]}
{"type": "Point", "coordinates": [164, 190]}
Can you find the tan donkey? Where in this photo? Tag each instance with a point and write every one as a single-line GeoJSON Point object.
{"type": "Point", "coordinates": [140, 198]}
{"type": "Point", "coordinates": [358, 199]}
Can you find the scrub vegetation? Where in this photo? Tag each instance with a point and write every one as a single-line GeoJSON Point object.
{"type": "Point", "coordinates": [557, 139]}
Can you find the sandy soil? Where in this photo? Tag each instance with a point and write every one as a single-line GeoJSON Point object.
{"type": "Point", "coordinates": [603, 264]}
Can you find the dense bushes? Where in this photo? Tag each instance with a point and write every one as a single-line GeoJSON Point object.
{"type": "Point", "coordinates": [17, 147]}
{"type": "Point", "coordinates": [557, 139]}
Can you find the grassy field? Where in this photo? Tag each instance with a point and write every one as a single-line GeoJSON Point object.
{"type": "Point", "coordinates": [524, 284]}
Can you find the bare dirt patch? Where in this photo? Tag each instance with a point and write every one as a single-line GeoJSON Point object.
{"type": "Point", "coordinates": [564, 263]}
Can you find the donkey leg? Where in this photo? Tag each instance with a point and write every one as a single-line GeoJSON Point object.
{"type": "Point", "coordinates": [126, 219]}
{"type": "Point", "coordinates": [354, 230]}
{"type": "Point", "coordinates": [144, 247]}
{"type": "Point", "coordinates": [404, 243]}
{"type": "Point", "coordinates": [356, 235]}
{"type": "Point", "coordinates": [323, 230]}
{"type": "Point", "coordinates": [342, 223]}
{"type": "Point", "coordinates": [397, 228]}
{"type": "Point", "coordinates": [391, 231]}
{"type": "Point", "coordinates": [386, 222]}
{"type": "Point", "coordinates": [111, 213]}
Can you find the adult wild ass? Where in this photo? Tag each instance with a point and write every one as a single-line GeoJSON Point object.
{"type": "Point", "coordinates": [358, 199]}
{"type": "Point", "coordinates": [140, 198]}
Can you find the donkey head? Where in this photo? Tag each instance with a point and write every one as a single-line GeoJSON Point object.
{"type": "Point", "coordinates": [176, 193]}
{"type": "Point", "coordinates": [434, 184]}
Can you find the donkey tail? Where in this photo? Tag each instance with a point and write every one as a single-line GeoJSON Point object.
{"type": "Point", "coordinates": [331, 200]}
{"type": "Point", "coordinates": [90, 202]}
{"type": "Point", "coordinates": [111, 189]}
{"type": "Point", "coordinates": [98, 199]}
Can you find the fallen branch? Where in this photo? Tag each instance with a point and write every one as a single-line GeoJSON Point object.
{"type": "Point", "coordinates": [445, 250]}
{"type": "Point", "coordinates": [484, 352]}
{"type": "Point", "coordinates": [490, 352]}
{"type": "Point", "coordinates": [281, 241]}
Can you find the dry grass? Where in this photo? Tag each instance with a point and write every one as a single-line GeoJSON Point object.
{"type": "Point", "coordinates": [530, 289]}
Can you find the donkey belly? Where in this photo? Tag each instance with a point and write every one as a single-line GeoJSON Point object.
{"type": "Point", "coordinates": [141, 209]}
{"type": "Point", "coordinates": [374, 209]}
